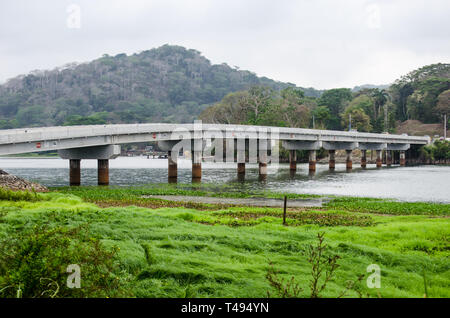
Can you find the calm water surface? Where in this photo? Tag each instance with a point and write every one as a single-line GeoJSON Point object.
{"type": "Point", "coordinates": [422, 183]}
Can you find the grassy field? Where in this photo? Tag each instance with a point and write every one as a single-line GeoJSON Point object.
{"type": "Point", "coordinates": [167, 249]}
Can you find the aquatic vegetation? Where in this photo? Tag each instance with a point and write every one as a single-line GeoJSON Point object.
{"type": "Point", "coordinates": [252, 216]}
{"type": "Point", "coordinates": [372, 205]}
{"type": "Point", "coordinates": [94, 193]}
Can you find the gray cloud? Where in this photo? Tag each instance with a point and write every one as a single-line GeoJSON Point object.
{"type": "Point", "coordinates": [321, 43]}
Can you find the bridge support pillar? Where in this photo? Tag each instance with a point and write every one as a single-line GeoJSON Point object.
{"type": "Point", "coordinates": [75, 172]}
{"type": "Point", "coordinates": [196, 166]}
{"type": "Point", "coordinates": [240, 164]}
{"type": "Point", "coordinates": [363, 158]}
{"type": "Point", "coordinates": [173, 167]}
{"type": "Point", "coordinates": [312, 160]}
{"type": "Point", "coordinates": [262, 165]}
{"type": "Point", "coordinates": [402, 158]}
{"type": "Point", "coordinates": [331, 160]}
{"type": "Point", "coordinates": [293, 160]}
{"type": "Point", "coordinates": [241, 170]}
{"type": "Point", "coordinates": [388, 158]}
{"type": "Point", "coordinates": [103, 171]}
{"type": "Point", "coordinates": [379, 158]}
{"type": "Point", "coordinates": [349, 163]}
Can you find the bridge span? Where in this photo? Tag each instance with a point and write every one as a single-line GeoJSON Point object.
{"type": "Point", "coordinates": [230, 143]}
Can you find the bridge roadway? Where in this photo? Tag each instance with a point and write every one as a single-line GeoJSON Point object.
{"type": "Point", "coordinates": [243, 144]}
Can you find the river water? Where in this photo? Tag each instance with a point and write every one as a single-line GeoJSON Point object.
{"type": "Point", "coordinates": [420, 183]}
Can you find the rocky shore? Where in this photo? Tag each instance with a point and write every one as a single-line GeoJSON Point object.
{"type": "Point", "coordinates": [11, 182]}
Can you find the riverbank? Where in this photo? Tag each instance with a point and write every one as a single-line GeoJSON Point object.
{"type": "Point", "coordinates": [12, 182]}
{"type": "Point", "coordinates": [167, 248]}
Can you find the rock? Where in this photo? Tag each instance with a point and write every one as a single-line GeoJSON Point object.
{"type": "Point", "coordinates": [11, 182]}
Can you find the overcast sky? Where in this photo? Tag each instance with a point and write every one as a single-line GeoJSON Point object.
{"type": "Point", "coordinates": [320, 43]}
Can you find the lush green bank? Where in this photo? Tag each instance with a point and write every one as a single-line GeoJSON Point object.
{"type": "Point", "coordinates": [164, 249]}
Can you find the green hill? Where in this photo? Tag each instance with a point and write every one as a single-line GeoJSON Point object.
{"type": "Point", "coordinates": [166, 84]}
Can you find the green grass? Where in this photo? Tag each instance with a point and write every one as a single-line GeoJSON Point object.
{"type": "Point", "coordinates": [94, 193]}
{"type": "Point", "coordinates": [186, 252]}
{"type": "Point", "coordinates": [373, 205]}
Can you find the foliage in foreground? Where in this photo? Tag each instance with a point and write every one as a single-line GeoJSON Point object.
{"type": "Point", "coordinates": [34, 263]}
{"type": "Point", "coordinates": [6, 194]}
{"type": "Point", "coordinates": [323, 270]}
{"type": "Point", "coordinates": [163, 253]}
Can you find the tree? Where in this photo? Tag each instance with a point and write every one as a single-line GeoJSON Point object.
{"type": "Point", "coordinates": [336, 100]}
{"type": "Point", "coordinates": [256, 103]}
{"type": "Point", "coordinates": [360, 120]}
{"type": "Point", "coordinates": [380, 97]}
{"type": "Point", "coordinates": [443, 104]}
{"type": "Point", "coordinates": [230, 110]}
{"type": "Point", "coordinates": [427, 82]}
{"type": "Point", "coordinates": [321, 117]}
{"type": "Point", "coordinates": [294, 111]}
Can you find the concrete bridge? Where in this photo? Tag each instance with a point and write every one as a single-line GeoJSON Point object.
{"type": "Point", "coordinates": [241, 143]}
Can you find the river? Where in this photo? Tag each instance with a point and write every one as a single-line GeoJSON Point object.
{"type": "Point", "coordinates": [419, 183]}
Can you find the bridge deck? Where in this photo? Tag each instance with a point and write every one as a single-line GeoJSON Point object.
{"type": "Point", "coordinates": [14, 141]}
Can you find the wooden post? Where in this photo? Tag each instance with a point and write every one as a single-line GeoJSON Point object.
{"type": "Point", "coordinates": [284, 210]}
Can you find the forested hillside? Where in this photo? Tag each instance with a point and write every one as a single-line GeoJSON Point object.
{"type": "Point", "coordinates": [175, 84]}
{"type": "Point", "coordinates": [166, 84]}
{"type": "Point", "coordinates": [422, 96]}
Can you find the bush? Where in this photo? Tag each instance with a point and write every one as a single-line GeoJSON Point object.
{"type": "Point", "coordinates": [9, 195]}
{"type": "Point", "coordinates": [323, 270]}
{"type": "Point", "coordinates": [33, 263]}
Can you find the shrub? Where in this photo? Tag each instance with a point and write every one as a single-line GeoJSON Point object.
{"type": "Point", "coordinates": [323, 269]}
{"type": "Point", "coordinates": [33, 263]}
{"type": "Point", "coordinates": [9, 195]}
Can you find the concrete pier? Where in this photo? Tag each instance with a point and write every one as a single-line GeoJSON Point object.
{"type": "Point", "coordinates": [262, 165]}
{"type": "Point", "coordinates": [263, 168]}
{"type": "Point", "coordinates": [379, 158]}
{"type": "Point", "coordinates": [331, 160]}
{"type": "Point", "coordinates": [241, 168]}
{"type": "Point", "coordinates": [103, 171]}
{"type": "Point", "coordinates": [240, 158]}
{"type": "Point", "coordinates": [101, 153]}
{"type": "Point", "coordinates": [363, 158]}
{"type": "Point", "coordinates": [75, 172]}
{"type": "Point", "coordinates": [173, 167]}
{"type": "Point", "coordinates": [241, 171]}
{"type": "Point", "coordinates": [196, 166]}
{"type": "Point", "coordinates": [293, 160]}
{"type": "Point", "coordinates": [312, 160]}
{"type": "Point", "coordinates": [388, 158]}
{"type": "Point", "coordinates": [402, 158]}
{"type": "Point", "coordinates": [349, 162]}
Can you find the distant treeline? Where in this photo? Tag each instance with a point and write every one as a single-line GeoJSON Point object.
{"type": "Point", "coordinates": [422, 95]}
